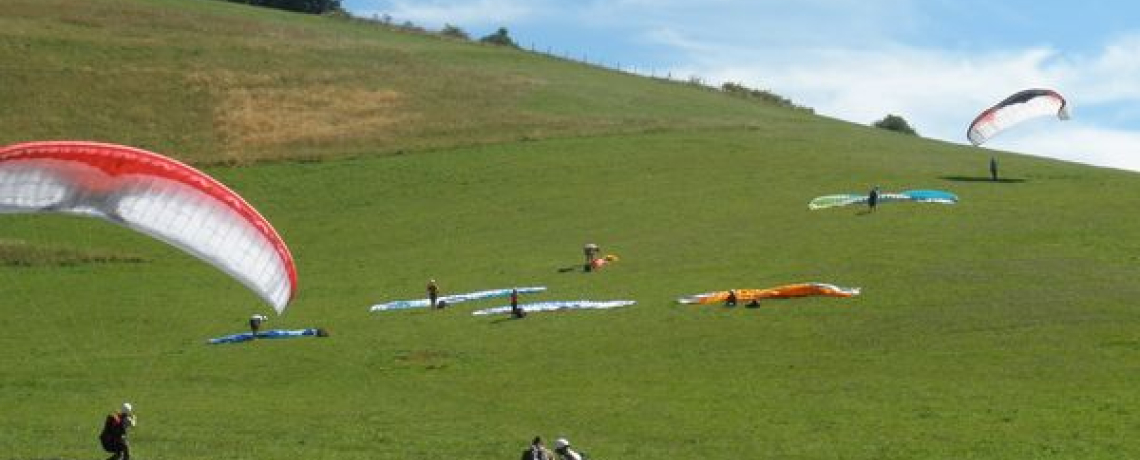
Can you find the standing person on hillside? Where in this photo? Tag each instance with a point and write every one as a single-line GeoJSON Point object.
{"type": "Point", "coordinates": [993, 169]}
{"type": "Point", "coordinates": [432, 292]}
{"type": "Point", "coordinates": [537, 451]}
{"type": "Point", "coordinates": [591, 252]}
{"type": "Point", "coordinates": [255, 323]}
{"type": "Point", "coordinates": [114, 434]}
{"type": "Point", "coordinates": [562, 448]}
{"type": "Point", "coordinates": [517, 312]}
{"type": "Point", "coordinates": [731, 300]}
{"type": "Point", "coordinates": [873, 199]}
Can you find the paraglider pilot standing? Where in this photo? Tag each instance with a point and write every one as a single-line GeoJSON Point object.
{"type": "Point", "coordinates": [255, 323]}
{"type": "Point", "coordinates": [591, 252]}
{"type": "Point", "coordinates": [873, 198]}
{"type": "Point", "coordinates": [516, 312]}
{"type": "Point", "coordinates": [432, 292]}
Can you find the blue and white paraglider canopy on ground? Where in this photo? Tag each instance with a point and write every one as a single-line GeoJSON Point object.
{"type": "Point", "coordinates": [455, 298]}
{"type": "Point", "coordinates": [556, 305]}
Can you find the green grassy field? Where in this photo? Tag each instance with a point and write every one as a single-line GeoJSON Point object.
{"type": "Point", "coordinates": [1002, 327]}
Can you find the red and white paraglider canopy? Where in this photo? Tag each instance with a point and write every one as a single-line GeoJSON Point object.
{"type": "Point", "coordinates": [154, 195]}
{"type": "Point", "coordinates": [1020, 106]}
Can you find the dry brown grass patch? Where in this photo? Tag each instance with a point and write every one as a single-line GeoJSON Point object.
{"type": "Point", "coordinates": [258, 114]}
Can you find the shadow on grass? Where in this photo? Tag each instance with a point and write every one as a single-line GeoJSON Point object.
{"type": "Point", "coordinates": [508, 318]}
{"type": "Point", "coordinates": [981, 179]}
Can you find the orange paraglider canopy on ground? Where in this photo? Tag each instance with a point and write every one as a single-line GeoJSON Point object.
{"type": "Point", "coordinates": [779, 292]}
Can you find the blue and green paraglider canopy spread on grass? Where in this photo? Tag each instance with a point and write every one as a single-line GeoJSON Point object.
{"type": "Point", "coordinates": [918, 196]}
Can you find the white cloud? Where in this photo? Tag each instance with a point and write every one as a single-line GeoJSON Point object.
{"type": "Point", "coordinates": [1110, 76]}
{"type": "Point", "coordinates": [1076, 141]}
{"type": "Point", "coordinates": [766, 23]}
{"type": "Point", "coordinates": [929, 88]}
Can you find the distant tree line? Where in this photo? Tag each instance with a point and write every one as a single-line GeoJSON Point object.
{"type": "Point", "coordinates": [454, 32]}
{"type": "Point", "coordinates": [300, 6]}
{"type": "Point", "coordinates": [737, 89]}
{"type": "Point", "coordinates": [500, 37]}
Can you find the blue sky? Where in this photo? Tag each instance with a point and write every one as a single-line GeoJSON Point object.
{"type": "Point", "coordinates": [935, 62]}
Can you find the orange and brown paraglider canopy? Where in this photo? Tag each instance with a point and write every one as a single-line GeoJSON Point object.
{"type": "Point", "coordinates": [779, 292]}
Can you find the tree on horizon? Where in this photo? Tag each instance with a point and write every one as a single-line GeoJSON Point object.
{"type": "Point", "coordinates": [500, 37]}
{"type": "Point", "coordinates": [895, 123]}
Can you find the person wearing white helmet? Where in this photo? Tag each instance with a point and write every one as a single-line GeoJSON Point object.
{"type": "Point", "coordinates": [255, 323]}
{"type": "Point", "coordinates": [562, 448]}
{"type": "Point", "coordinates": [114, 434]}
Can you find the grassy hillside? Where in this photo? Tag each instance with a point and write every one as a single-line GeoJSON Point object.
{"type": "Point", "coordinates": [217, 82]}
{"type": "Point", "coordinates": [1001, 327]}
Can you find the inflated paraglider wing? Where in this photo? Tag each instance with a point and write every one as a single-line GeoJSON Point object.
{"type": "Point", "coordinates": [154, 195]}
{"type": "Point", "coordinates": [27, 186]}
{"type": "Point", "coordinates": [1021, 106]}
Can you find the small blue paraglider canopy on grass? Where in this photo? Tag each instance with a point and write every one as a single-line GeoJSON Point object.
{"type": "Point", "coordinates": [270, 334]}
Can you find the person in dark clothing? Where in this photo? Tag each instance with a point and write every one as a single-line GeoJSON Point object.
{"type": "Point", "coordinates": [993, 169]}
{"type": "Point", "coordinates": [432, 292]}
{"type": "Point", "coordinates": [537, 451]}
{"type": "Point", "coordinates": [114, 434]}
{"type": "Point", "coordinates": [516, 312]}
{"type": "Point", "coordinates": [255, 323]}
{"type": "Point", "coordinates": [591, 252]}
{"type": "Point", "coordinates": [731, 300]}
{"type": "Point", "coordinates": [873, 198]}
